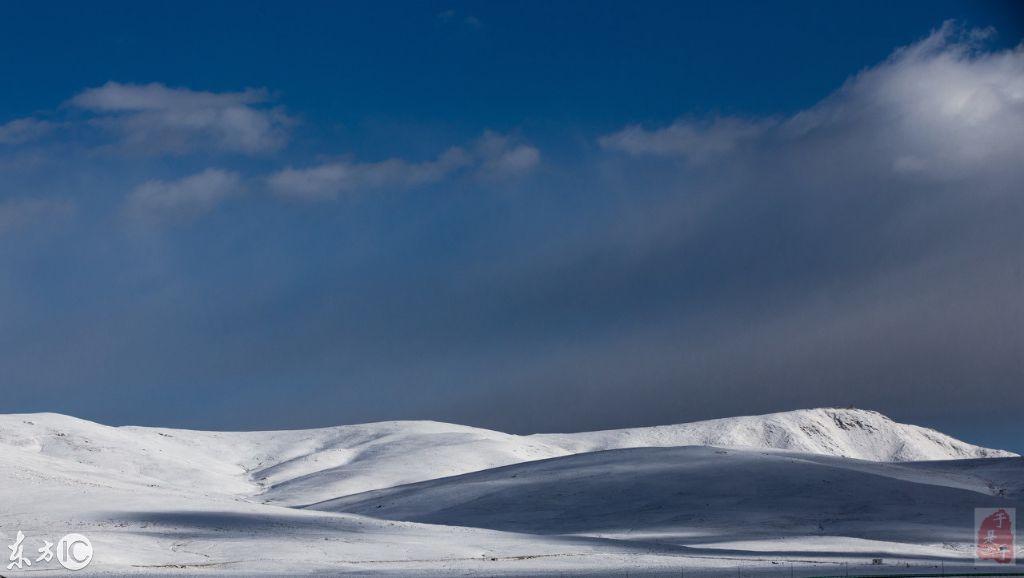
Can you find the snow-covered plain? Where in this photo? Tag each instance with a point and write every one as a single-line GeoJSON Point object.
{"type": "Point", "coordinates": [810, 486]}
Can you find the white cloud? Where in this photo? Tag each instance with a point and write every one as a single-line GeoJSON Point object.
{"type": "Point", "coordinates": [327, 181]}
{"type": "Point", "coordinates": [936, 108]}
{"type": "Point", "coordinates": [154, 118]}
{"type": "Point", "coordinates": [500, 156]}
{"type": "Point", "coordinates": [22, 213]}
{"type": "Point", "coordinates": [491, 156]}
{"type": "Point", "coordinates": [192, 196]}
{"type": "Point", "coordinates": [23, 130]}
{"type": "Point", "coordinates": [695, 140]}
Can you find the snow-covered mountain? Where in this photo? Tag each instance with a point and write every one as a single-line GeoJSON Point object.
{"type": "Point", "coordinates": [155, 499]}
{"type": "Point", "coordinates": [295, 467]}
{"type": "Point", "coordinates": [851, 433]}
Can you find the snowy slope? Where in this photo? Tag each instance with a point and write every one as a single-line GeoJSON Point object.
{"type": "Point", "coordinates": [852, 433]}
{"type": "Point", "coordinates": [700, 496]}
{"type": "Point", "coordinates": [136, 528]}
{"type": "Point", "coordinates": [352, 459]}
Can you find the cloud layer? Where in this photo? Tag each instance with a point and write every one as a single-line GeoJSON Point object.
{"type": "Point", "coordinates": [864, 250]}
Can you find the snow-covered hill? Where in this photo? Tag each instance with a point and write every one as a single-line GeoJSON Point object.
{"type": "Point", "coordinates": [154, 499]}
{"type": "Point", "coordinates": [296, 467]}
{"type": "Point", "coordinates": [284, 467]}
{"type": "Point", "coordinates": [851, 433]}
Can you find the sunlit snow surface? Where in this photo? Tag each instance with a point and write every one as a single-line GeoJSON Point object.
{"type": "Point", "coordinates": [827, 486]}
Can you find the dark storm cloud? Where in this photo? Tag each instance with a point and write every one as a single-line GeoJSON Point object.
{"type": "Point", "coordinates": [865, 251]}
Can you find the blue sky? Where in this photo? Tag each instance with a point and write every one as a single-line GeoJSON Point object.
{"type": "Point", "coordinates": [528, 216]}
{"type": "Point", "coordinates": [591, 65]}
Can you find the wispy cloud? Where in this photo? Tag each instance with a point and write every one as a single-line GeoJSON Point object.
{"type": "Point", "coordinates": [501, 156]}
{"type": "Point", "coordinates": [491, 156]}
{"type": "Point", "coordinates": [328, 180]}
{"type": "Point", "coordinates": [154, 118]}
{"type": "Point", "coordinates": [159, 201]}
{"type": "Point", "coordinates": [23, 130]}
{"type": "Point", "coordinates": [696, 140]}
